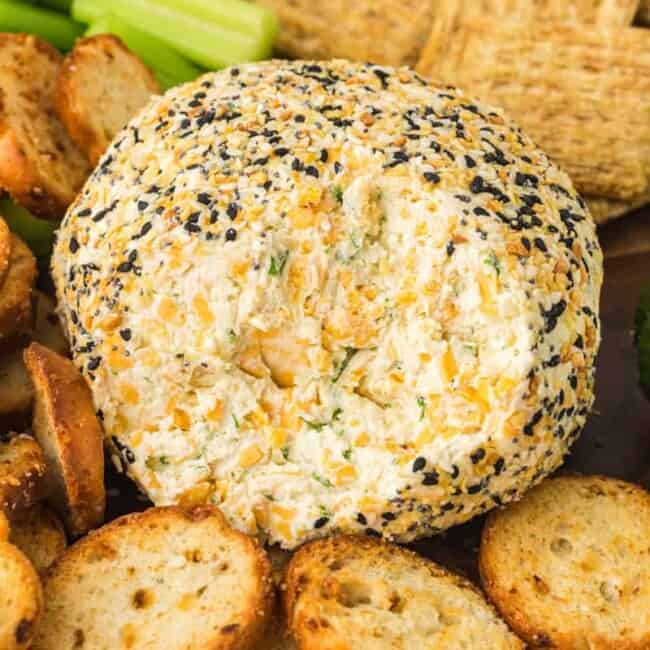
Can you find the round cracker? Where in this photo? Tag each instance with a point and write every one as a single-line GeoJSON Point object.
{"type": "Point", "coordinates": [569, 565]}
{"type": "Point", "coordinates": [21, 599]}
{"type": "Point", "coordinates": [16, 290]}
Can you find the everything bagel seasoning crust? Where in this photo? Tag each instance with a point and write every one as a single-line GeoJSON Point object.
{"type": "Point", "coordinates": [331, 297]}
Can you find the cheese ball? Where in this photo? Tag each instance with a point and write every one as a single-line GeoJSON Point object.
{"type": "Point", "coordinates": [331, 297]}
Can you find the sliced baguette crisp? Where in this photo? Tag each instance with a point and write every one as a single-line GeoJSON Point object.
{"type": "Point", "coordinates": [47, 327]}
{"type": "Point", "coordinates": [4, 527]}
{"type": "Point", "coordinates": [101, 86]}
{"type": "Point", "coordinates": [643, 15]}
{"type": "Point", "coordinates": [381, 31]}
{"type": "Point", "coordinates": [67, 428]}
{"type": "Point", "coordinates": [569, 86]}
{"type": "Point", "coordinates": [21, 599]}
{"type": "Point", "coordinates": [22, 474]}
{"type": "Point", "coordinates": [39, 534]}
{"type": "Point", "coordinates": [40, 166]}
{"type": "Point", "coordinates": [346, 593]}
{"type": "Point", "coordinates": [173, 578]}
{"type": "Point", "coordinates": [16, 391]}
{"type": "Point", "coordinates": [16, 290]}
{"type": "Point", "coordinates": [5, 249]}
{"type": "Point", "coordinates": [569, 565]}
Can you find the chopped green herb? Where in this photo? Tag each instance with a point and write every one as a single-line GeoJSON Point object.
{"type": "Point", "coordinates": [349, 353]}
{"type": "Point", "coordinates": [471, 348]}
{"type": "Point", "coordinates": [236, 421]}
{"type": "Point", "coordinates": [232, 336]}
{"type": "Point", "coordinates": [312, 424]}
{"type": "Point", "coordinates": [337, 193]}
{"type": "Point", "coordinates": [347, 454]}
{"type": "Point", "coordinates": [324, 511]}
{"type": "Point", "coordinates": [493, 261]}
{"type": "Point", "coordinates": [337, 413]}
{"type": "Point", "coordinates": [423, 406]}
{"type": "Point", "coordinates": [156, 462]}
{"type": "Point", "coordinates": [285, 453]}
{"type": "Point", "coordinates": [278, 263]}
{"type": "Point", "coordinates": [268, 496]}
{"type": "Point", "coordinates": [322, 480]}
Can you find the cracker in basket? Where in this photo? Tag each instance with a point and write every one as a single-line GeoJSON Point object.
{"type": "Point", "coordinates": [382, 31]}
{"type": "Point", "coordinates": [582, 93]}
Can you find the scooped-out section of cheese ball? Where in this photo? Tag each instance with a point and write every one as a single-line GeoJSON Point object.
{"type": "Point", "coordinates": [331, 297]}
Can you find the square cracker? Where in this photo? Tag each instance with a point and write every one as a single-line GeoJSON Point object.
{"type": "Point", "coordinates": [605, 13]}
{"type": "Point", "coordinates": [390, 32]}
{"type": "Point", "coordinates": [582, 92]}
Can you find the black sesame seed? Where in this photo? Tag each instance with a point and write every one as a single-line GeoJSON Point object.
{"type": "Point", "coordinates": [281, 151]}
{"type": "Point", "coordinates": [299, 118]}
{"type": "Point", "coordinates": [478, 455]}
{"type": "Point", "coordinates": [446, 507]}
{"type": "Point", "coordinates": [338, 167]}
{"type": "Point", "coordinates": [361, 518]}
{"type": "Point", "coordinates": [499, 465]}
{"type": "Point", "coordinates": [481, 212]}
{"type": "Point", "coordinates": [324, 155]}
{"type": "Point", "coordinates": [451, 247]}
{"type": "Point", "coordinates": [431, 478]}
{"type": "Point", "coordinates": [526, 180]}
{"type": "Point", "coordinates": [192, 227]}
{"type": "Point", "coordinates": [86, 212]}
{"type": "Point", "coordinates": [185, 123]}
{"type": "Point", "coordinates": [477, 185]}
{"type": "Point", "coordinates": [126, 334]}
{"type": "Point", "coordinates": [470, 162]}
{"type": "Point", "coordinates": [371, 532]}
{"type": "Point", "coordinates": [526, 242]}
{"type": "Point", "coordinates": [231, 234]}
{"type": "Point", "coordinates": [125, 267]}
{"type": "Point", "coordinates": [419, 463]}
{"type": "Point", "coordinates": [93, 363]}
{"type": "Point", "coordinates": [454, 471]}
{"type": "Point", "coordinates": [203, 198]}
{"type": "Point", "coordinates": [388, 516]}
{"type": "Point", "coordinates": [311, 171]}
{"type": "Point", "coordinates": [74, 245]}
{"type": "Point", "coordinates": [431, 177]}
{"type": "Point", "coordinates": [232, 210]}
{"type": "Point", "coordinates": [540, 244]}
{"type": "Point", "coordinates": [296, 165]}
{"type": "Point", "coordinates": [319, 523]}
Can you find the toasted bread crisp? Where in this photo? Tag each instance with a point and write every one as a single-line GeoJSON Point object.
{"type": "Point", "coordinates": [16, 290]}
{"type": "Point", "coordinates": [569, 566]}
{"type": "Point", "coordinates": [39, 534]}
{"type": "Point", "coordinates": [101, 86]}
{"type": "Point", "coordinates": [22, 474]}
{"type": "Point", "coordinates": [40, 166]}
{"type": "Point", "coordinates": [382, 31]}
{"type": "Point", "coordinates": [5, 249]}
{"type": "Point", "coordinates": [345, 593]}
{"type": "Point", "coordinates": [16, 390]}
{"type": "Point", "coordinates": [4, 527]}
{"type": "Point", "coordinates": [67, 428]}
{"type": "Point", "coordinates": [173, 578]}
{"type": "Point", "coordinates": [47, 327]}
{"type": "Point", "coordinates": [643, 15]}
{"type": "Point", "coordinates": [21, 599]}
{"type": "Point", "coordinates": [571, 87]}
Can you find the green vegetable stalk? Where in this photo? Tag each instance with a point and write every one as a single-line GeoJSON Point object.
{"type": "Point", "coordinates": [200, 39]}
{"type": "Point", "coordinates": [169, 66]}
{"type": "Point", "coordinates": [59, 30]}
{"type": "Point", "coordinates": [36, 233]}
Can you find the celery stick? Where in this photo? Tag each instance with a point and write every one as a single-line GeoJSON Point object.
{"type": "Point", "coordinates": [240, 16]}
{"type": "Point", "coordinates": [59, 5]}
{"type": "Point", "coordinates": [201, 41]}
{"type": "Point", "coordinates": [38, 234]}
{"type": "Point", "coordinates": [49, 25]}
{"type": "Point", "coordinates": [170, 67]}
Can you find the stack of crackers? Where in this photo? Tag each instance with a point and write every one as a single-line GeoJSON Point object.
{"type": "Point", "coordinates": [574, 74]}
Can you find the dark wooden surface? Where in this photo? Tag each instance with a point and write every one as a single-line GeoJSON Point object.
{"type": "Point", "coordinates": [616, 440]}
